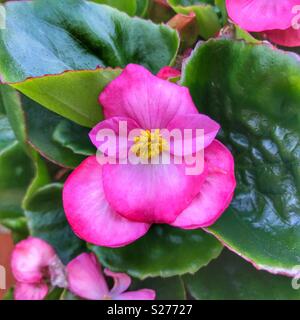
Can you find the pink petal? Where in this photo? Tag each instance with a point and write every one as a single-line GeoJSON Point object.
{"type": "Point", "coordinates": [143, 294]}
{"type": "Point", "coordinates": [143, 97]}
{"type": "Point", "coordinates": [167, 73]}
{"type": "Point", "coordinates": [30, 258]}
{"type": "Point", "coordinates": [193, 122]}
{"type": "Point", "coordinates": [286, 38]}
{"type": "Point", "coordinates": [216, 193]}
{"type": "Point", "coordinates": [111, 128]}
{"type": "Point", "coordinates": [148, 192]}
{"type": "Point", "coordinates": [89, 213]}
{"type": "Point", "coordinates": [85, 277]}
{"type": "Point", "coordinates": [121, 282]}
{"type": "Point", "coordinates": [261, 15]}
{"type": "Point", "coordinates": [27, 291]}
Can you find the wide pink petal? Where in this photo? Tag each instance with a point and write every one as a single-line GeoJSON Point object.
{"type": "Point", "coordinates": [85, 277]}
{"type": "Point", "coordinates": [143, 294]}
{"type": "Point", "coordinates": [89, 213]}
{"type": "Point", "coordinates": [30, 258]}
{"type": "Point", "coordinates": [261, 15]}
{"type": "Point", "coordinates": [28, 291]}
{"type": "Point", "coordinates": [216, 192]}
{"type": "Point", "coordinates": [188, 125]}
{"type": "Point", "coordinates": [148, 192]}
{"type": "Point", "coordinates": [143, 97]}
{"type": "Point", "coordinates": [167, 73]}
{"type": "Point", "coordinates": [121, 282]}
{"type": "Point", "coordinates": [286, 38]}
{"type": "Point", "coordinates": [112, 135]}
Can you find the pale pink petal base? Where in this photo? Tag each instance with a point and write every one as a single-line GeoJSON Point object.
{"type": "Point", "coordinates": [28, 291]}
{"type": "Point", "coordinates": [216, 192]}
{"type": "Point", "coordinates": [262, 15]}
{"type": "Point", "coordinates": [85, 278]}
{"type": "Point", "coordinates": [89, 213]}
{"type": "Point", "coordinates": [150, 193]}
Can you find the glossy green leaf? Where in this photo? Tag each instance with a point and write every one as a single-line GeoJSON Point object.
{"type": "Point", "coordinates": [74, 95]}
{"type": "Point", "coordinates": [253, 91]}
{"type": "Point", "coordinates": [16, 172]}
{"type": "Point", "coordinates": [12, 105]}
{"type": "Point", "coordinates": [207, 18]}
{"type": "Point", "coordinates": [49, 36]}
{"type": "Point", "coordinates": [46, 220]}
{"type": "Point", "coordinates": [43, 126]}
{"type": "Point", "coordinates": [76, 138]}
{"type": "Point", "coordinates": [35, 126]}
{"type": "Point", "coordinates": [142, 7]}
{"type": "Point", "coordinates": [231, 278]}
{"type": "Point", "coordinates": [164, 251]}
{"type": "Point", "coordinates": [128, 6]}
{"type": "Point", "coordinates": [165, 288]}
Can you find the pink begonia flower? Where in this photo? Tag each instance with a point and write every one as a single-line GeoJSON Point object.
{"type": "Point", "coordinates": [87, 281]}
{"type": "Point", "coordinates": [276, 19]}
{"type": "Point", "coordinates": [115, 204]}
{"type": "Point", "coordinates": [167, 73]}
{"type": "Point", "coordinates": [34, 264]}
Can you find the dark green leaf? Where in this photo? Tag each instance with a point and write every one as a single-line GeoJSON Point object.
{"type": "Point", "coordinates": [165, 288]}
{"type": "Point", "coordinates": [253, 91]}
{"type": "Point", "coordinates": [231, 278]}
{"type": "Point", "coordinates": [46, 220]}
{"type": "Point", "coordinates": [164, 251]}
{"type": "Point", "coordinates": [50, 36]}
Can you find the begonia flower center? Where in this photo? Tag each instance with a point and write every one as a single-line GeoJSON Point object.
{"type": "Point", "coordinates": [149, 144]}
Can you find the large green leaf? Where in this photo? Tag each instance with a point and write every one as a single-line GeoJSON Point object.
{"type": "Point", "coordinates": [59, 140]}
{"type": "Point", "coordinates": [231, 278]}
{"type": "Point", "coordinates": [253, 90]}
{"type": "Point", "coordinates": [164, 251]}
{"type": "Point", "coordinates": [49, 36]}
{"type": "Point", "coordinates": [73, 95]}
{"type": "Point", "coordinates": [165, 288]}
{"type": "Point", "coordinates": [128, 6]}
{"type": "Point", "coordinates": [207, 18]}
{"type": "Point", "coordinates": [16, 170]}
{"type": "Point", "coordinates": [46, 220]}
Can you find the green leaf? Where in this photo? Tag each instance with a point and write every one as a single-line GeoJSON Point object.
{"type": "Point", "coordinates": [11, 105]}
{"type": "Point", "coordinates": [164, 251]}
{"type": "Point", "coordinates": [165, 288]}
{"type": "Point", "coordinates": [128, 6]}
{"type": "Point", "coordinates": [231, 278]}
{"type": "Point", "coordinates": [142, 8]}
{"type": "Point", "coordinates": [73, 95]}
{"type": "Point", "coordinates": [46, 220]}
{"type": "Point", "coordinates": [74, 137]}
{"type": "Point", "coordinates": [49, 36]}
{"type": "Point", "coordinates": [35, 126]}
{"type": "Point", "coordinates": [253, 91]}
{"type": "Point", "coordinates": [207, 18]}
{"type": "Point", "coordinates": [42, 129]}
{"type": "Point", "coordinates": [16, 172]}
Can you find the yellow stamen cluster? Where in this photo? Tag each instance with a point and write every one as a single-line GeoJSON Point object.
{"type": "Point", "coordinates": [149, 144]}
